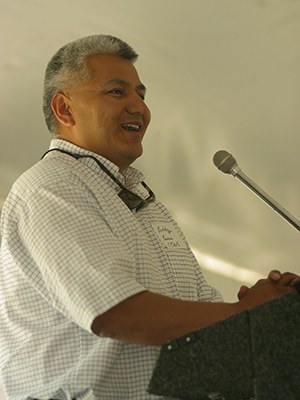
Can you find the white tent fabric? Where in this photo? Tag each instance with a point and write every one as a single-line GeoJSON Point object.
{"type": "Point", "coordinates": [221, 74]}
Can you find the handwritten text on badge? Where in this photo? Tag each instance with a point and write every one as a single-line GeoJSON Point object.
{"type": "Point", "coordinates": [168, 235]}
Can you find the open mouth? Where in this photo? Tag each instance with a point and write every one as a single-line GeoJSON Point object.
{"type": "Point", "coordinates": [132, 127]}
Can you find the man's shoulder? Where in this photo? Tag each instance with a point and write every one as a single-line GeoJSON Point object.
{"type": "Point", "coordinates": [46, 171]}
{"type": "Point", "coordinates": [51, 173]}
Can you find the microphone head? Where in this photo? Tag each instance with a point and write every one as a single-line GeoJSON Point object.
{"type": "Point", "coordinates": [224, 161]}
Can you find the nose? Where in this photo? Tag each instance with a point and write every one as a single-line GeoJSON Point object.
{"type": "Point", "coordinates": [137, 106]}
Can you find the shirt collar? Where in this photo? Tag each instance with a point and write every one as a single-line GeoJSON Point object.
{"type": "Point", "coordinates": [130, 178]}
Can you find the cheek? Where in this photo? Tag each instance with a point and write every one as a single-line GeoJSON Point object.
{"type": "Point", "coordinates": [82, 114]}
{"type": "Point", "coordinates": [97, 118]}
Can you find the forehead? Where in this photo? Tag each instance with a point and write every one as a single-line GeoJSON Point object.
{"type": "Point", "coordinates": [107, 67]}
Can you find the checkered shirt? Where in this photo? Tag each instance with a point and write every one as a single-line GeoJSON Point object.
{"type": "Point", "coordinates": [71, 250]}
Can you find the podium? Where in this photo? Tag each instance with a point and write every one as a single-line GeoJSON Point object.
{"type": "Point", "coordinates": [251, 355]}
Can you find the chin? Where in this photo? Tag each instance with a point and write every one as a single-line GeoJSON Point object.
{"type": "Point", "coordinates": [133, 157]}
{"type": "Point", "coordinates": [139, 154]}
{"type": "Point", "coordinates": [135, 152]}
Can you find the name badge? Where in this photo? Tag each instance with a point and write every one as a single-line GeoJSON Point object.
{"type": "Point", "coordinates": [168, 235]}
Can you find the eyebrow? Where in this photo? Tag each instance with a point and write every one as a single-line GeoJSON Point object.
{"type": "Point", "coordinates": [125, 83]}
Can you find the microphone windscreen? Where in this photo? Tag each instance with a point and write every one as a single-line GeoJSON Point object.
{"type": "Point", "coordinates": [224, 161]}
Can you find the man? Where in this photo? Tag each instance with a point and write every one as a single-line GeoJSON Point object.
{"type": "Point", "coordinates": [95, 272]}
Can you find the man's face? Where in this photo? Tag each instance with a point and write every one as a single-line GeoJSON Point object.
{"type": "Point", "coordinates": [108, 111]}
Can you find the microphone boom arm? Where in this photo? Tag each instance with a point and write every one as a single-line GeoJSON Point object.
{"type": "Point", "coordinates": [238, 173]}
{"type": "Point", "coordinates": [226, 163]}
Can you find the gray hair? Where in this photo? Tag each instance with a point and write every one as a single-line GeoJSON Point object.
{"type": "Point", "coordinates": [68, 67]}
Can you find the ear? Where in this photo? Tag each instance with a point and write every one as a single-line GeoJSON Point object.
{"type": "Point", "coordinates": [61, 108]}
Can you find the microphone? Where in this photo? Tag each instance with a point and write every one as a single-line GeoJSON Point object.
{"type": "Point", "coordinates": [226, 163]}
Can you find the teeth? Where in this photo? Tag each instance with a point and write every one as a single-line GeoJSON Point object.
{"type": "Point", "coordinates": [131, 127]}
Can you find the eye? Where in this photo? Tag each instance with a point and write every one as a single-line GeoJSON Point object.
{"type": "Point", "coordinates": [117, 91]}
